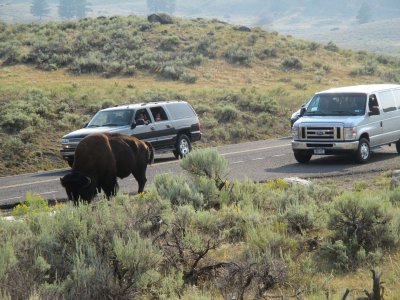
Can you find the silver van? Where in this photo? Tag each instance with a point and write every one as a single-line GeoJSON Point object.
{"type": "Point", "coordinates": [350, 119]}
{"type": "Point", "coordinates": [168, 126]}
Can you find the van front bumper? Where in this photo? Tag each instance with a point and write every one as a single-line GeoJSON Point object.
{"type": "Point", "coordinates": [329, 147]}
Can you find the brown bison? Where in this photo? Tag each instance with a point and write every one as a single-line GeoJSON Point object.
{"type": "Point", "coordinates": [102, 157]}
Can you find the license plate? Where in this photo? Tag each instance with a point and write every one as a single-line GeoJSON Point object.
{"type": "Point", "coordinates": [319, 151]}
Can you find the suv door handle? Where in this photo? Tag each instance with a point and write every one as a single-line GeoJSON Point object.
{"type": "Point", "coordinates": [168, 126]}
{"type": "Point", "coordinates": [152, 128]}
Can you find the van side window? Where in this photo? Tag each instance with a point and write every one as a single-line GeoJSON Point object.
{"type": "Point", "coordinates": [387, 100]}
{"type": "Point", "coordinates": [159, 114]}
{"type": "Point", "coordinates": [397, 97]}
{"type": "Point", "coordinates": [372, 101]}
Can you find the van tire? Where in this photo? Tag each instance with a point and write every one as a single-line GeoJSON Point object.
{"type": "Point", "coordinates": [398, 146]}
{"type": "Point", "coordinates": [183, 146]}
{"type": "Point", "coordinates": [363, 153]}
{"type": "Point", "coordinates": [302, 156]}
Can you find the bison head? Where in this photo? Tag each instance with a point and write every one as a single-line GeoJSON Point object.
{"type": "Point", "coordinates": [78, 187]}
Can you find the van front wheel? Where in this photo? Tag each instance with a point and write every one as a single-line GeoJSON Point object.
{"type": "Point", "coordinates": [363, 153]}
{"type": "Point", "coordinates": [302, 156]}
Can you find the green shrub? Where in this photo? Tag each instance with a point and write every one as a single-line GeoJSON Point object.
{"type": "Point", "coordinates": [92, 63]}
{"type": "Point", "coordinates": [291, 63]}
{"type": "Point", "coordinates": [269, 52]}
{"type": "Point", "coordinates": [368, 69]}
{"type": "Point", "coordinates": [188, 78]}
{"type": "Point", "coordinates": [252, 39]}
{"type": "Point", "coordinates": [300, 85]}
{"type": "Point", "coordinates": [206, 162]}
{"type": "Point", "coordinates": [335, 256]}
{"type": "Point", "coordinates": [227, 114]}
{"type": "Point", "coordinates": [360, 219]}
{"type": "Point", "coordinates": [391, 76]}
{"type": "Point", "coordinates": [300, 218]}
{"type": "Point", "coordinates": [331, 47]}
{"type": "Point", "coordinates": [205, 46]}
{"type": "Point", "coordinates": [313, 46]}
{"type": "Point", "coordinates": [32, 203]}
{"type": "Point", "coordinates": [238, 55]}
{"type": "Point", "coordinates": [9, 53]}
{"type": "Point", "coordinates": [173, 70]}
{"type": "Point", "coordinates": [178, 189]}
{"type": "Point", "coordinates": [394, 196]}
{"type": "Point", "coordinates": [170, 43]}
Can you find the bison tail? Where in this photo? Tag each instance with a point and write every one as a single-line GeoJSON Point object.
{"type": "Point", "coordinates": [150, 153]}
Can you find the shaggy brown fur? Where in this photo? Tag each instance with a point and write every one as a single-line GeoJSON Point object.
{"type": "Point", "coordinates": [101, 158]}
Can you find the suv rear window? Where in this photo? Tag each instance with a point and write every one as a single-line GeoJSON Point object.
{"type": "Point", "coordinates": [180, 111]}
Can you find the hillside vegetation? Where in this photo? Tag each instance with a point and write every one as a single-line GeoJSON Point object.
{"type": "Point", "coordinates": [244, 85]}
{"type": "Point", "coordinates": [191, 237]}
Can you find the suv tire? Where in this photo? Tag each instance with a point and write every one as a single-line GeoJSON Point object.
{"type": "Point", "coordinates": [183, 146]}
{"type": "Point", "coordinates": [302, 156]}
{"type": "Point", "coordinates": [363, 153]}
{"type": "Point", "coordinates": [70, 162]}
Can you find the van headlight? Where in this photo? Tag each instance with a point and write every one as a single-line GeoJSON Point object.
{"type": "Point", "coordinates": [350, 133]}
{"type": "Point", "coordinates": [64, 141]}
{"type": "Point", "coordinates": [295, 132]}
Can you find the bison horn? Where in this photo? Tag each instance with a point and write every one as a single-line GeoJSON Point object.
{"type": "Point", "coordinates": [89, 181]}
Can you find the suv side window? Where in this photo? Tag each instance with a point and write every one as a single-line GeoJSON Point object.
{"type": "Point", "coordinates": [158, 114]}
{"type": "Point", "coordinates": [180, 110]}
{"type": "Point", "coordinates": [144, 115]}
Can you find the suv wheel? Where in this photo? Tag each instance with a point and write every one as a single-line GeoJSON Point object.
{"type": "Point", "coordinates": [398, 146]}
{"type": "Point", "coordinates": [70, 162]}
{"type": "Point", "coordinates": [302, 156]}
{"type": "Point", "coordinates": [183, 146]}
{"type": "Point", "coordinates": [363, 153]}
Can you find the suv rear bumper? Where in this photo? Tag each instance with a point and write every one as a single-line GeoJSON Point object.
{"type": "Point", "coordinates": [329, 147]}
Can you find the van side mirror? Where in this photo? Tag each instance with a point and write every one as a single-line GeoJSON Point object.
{"type": "Point", "coordinates": [374, 111]}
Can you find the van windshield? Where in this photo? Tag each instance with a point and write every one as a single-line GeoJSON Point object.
{"type": "Point", "coordinates": [112, 118]}
{"type": "Point", "coordinates": [346, 104]}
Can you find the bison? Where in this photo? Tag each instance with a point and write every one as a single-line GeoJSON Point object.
{"type": "Point", "coordinates": [102, 157]}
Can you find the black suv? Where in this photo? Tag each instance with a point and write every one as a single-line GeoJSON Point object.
{"type": "Point", "coordinates": [169, 126]}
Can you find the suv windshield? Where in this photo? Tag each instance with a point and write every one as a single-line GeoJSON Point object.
{"type": "Point", "coordinates": [112, 118]}
{"type": "Point", "coordinates": [346, 104]}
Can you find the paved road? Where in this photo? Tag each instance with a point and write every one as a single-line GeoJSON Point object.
{"type": "Point", "coordinates": [261, 160]}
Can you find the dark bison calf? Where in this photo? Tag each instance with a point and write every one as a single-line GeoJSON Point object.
{"type": "Point", "coordinates": [102, 157]}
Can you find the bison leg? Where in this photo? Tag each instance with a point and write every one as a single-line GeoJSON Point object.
{"type": "Point", "coordinates": [110, 188]}
{"type": "Point", "coordinates": [141, 179]}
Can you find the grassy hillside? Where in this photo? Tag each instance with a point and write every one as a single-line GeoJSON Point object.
{"type": "Point", "coordinates": [244, 85]}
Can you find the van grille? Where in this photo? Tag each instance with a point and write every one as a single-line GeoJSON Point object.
{"type": "Point", "coordinates": [321, 133]}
